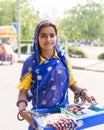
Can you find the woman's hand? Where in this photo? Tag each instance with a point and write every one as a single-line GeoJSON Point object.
{"type": "Point", "coordinates": [26, 114]}
{"type": "Point", "coordinates": [85, 96]}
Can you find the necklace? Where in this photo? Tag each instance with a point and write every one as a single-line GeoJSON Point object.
{"type": "Point", "coordinates": [47, 58]}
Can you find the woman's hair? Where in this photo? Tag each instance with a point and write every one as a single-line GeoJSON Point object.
{"type": "Point", "coordinates": [46, 23]}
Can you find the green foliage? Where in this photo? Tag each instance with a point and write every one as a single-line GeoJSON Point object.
{"type": "Point", "coordinates": [101, 56]}
{"type": "Point", "coordinates": [28, 16]}
{"type": "Point", "coordinates": [24, 48]}
{"type": "Point", "coordinates": [27, 42]}
{"type": "Point", "coordinates": [102, 44]}
{"type": "Point", "coordinates": [8, 12]}
{"type": "Point", "coordinates": [83, 22]}
{"type": "Point", "coordinates": [29, 19]}
{"type": "Point", "coordinates": [75, 51]}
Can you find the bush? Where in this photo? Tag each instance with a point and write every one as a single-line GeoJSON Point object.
{"type": "Point", "coordinates": [27, 42]}
{"type": "Point", "coordinates": [24, 49]}
{"type": "Point", "coordinates": [101, 56]}
{"type": "Point", "coordinates": [75, 51]}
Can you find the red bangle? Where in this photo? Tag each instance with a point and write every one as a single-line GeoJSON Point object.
{"type": "Point", "coordinates": [18, 117]}
{"type": "Point", "coordinates": [22, 100]}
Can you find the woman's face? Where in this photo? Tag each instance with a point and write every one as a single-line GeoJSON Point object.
{"type": "Point", "coordinates": [47, 38]}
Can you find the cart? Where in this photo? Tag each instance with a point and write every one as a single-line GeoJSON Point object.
{"type": "Point", "coordinates": [91, 117]}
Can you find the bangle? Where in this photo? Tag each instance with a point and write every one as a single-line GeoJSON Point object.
{"type": "Point", "coordinates": [80, 91]}
{"type": "Point", "coordinates": [22, 100]}
{"type": "Point", "coordinates": [18, 117]}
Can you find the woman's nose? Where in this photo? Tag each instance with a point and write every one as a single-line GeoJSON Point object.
{"type": "Point", "coordinates": [48, 38]}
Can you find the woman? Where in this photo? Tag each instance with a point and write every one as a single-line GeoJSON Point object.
{"type": "Point", "coordinates": [47, 74]}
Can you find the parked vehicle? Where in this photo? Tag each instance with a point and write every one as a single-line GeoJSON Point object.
{"type": "Point", "coordinates": [6, 54]}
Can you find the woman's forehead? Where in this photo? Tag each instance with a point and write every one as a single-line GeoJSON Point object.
{"type": "Point", "coordinates": [48, 29]}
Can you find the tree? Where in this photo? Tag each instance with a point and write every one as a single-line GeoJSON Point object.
{"type": "Point", "coordinates": [8, 12]}
{"type": "Point", "coordinates": [29, 18]}
{"type": "Point", "coordinates": [84, 22]}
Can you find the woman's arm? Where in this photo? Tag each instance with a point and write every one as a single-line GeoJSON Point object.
{"type": "Point", "coordinates": [83, 94]}
{"type": "Point", "coordinates": [78, 91]}
{"type": "Point", "coordinates": [22, 99]}
{"type": "Point", "coordinates": [22, 103]}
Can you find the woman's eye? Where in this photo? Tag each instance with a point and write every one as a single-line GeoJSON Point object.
{"type": "Point", "coordinates": [42, 36]}
{"type": "Point", "coordinates": [52, 35]}
{"type": "Point", "coordinates": [46, 36]}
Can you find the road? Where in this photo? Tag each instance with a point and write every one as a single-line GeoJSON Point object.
{"type": "Point", "coordinates": [9, 75]}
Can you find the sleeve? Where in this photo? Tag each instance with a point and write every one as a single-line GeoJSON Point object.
{"type": "Point", "coordinates": [27, 68]}
{"type": "Point", "coordinates": [26, 75]}
{"type": "Point", "coordinates": [72, 79]}
{"type": "Point", "coordinates": [26, 82]}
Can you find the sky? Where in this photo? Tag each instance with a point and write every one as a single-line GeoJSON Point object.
{"type": "Point", "coordinates": [55, 8]}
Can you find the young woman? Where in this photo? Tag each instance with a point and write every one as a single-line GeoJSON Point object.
{"type": "Point", "coordinates": [47, 74]}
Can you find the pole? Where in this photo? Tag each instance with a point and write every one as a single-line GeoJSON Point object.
{"type": "Point", "coordinates": [19, 30]}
